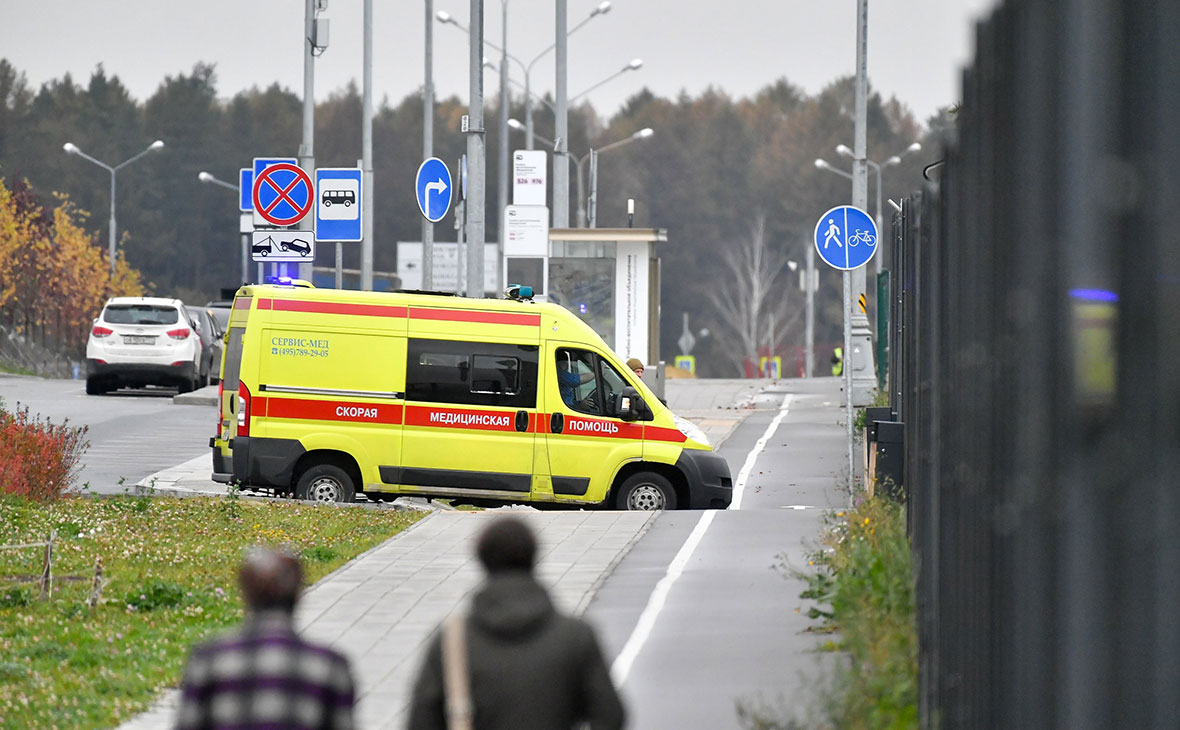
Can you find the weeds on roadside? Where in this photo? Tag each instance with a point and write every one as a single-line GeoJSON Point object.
{"type": "Point", "coordinates": [38, 459]}
{"type": "Point", "coordinates": [861, 583]}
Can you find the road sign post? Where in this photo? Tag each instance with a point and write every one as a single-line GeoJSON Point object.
{"type": "Point", "coordinates": [287, 245]}
{"type": "Point", "coordinates": [339, 202]}
{"type": "Point", "coordinates": [846, 239]}
{"type": "Point", "coordinates": [283, 194]}
{"type": "Point", "coordinates": [434, 189]}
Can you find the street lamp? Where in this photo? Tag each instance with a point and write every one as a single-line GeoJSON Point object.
{"type": "Point", "coordinates": [526, 68]}
{"type": "Point", "coordinates": [210, 179]}
{"type": "Point", "coordinates": [72, 149]}
{"type": "Point", "coordinates": [641, 134]}
{"type": "Point", "coordinates": [592, 156]}
{"type": "Point", "coordinates": [634, 65]}
{"type": "Point", "coordinates": [845, 151]}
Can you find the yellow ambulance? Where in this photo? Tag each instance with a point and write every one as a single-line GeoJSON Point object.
{"type": "Point", "coordinates": [326, 394]}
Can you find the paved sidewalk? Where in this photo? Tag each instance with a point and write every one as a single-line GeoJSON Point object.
{"type": "Point", "coordinates": [381, 608]}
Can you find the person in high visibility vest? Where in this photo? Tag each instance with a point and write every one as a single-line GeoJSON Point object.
{"type": "Point", "coordinates": [838, 361]}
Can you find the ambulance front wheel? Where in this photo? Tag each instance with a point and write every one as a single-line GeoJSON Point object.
{"type": "Point", "coordinates": [325, 483]}
{"type": "Point", "coordinates": [646, 491]}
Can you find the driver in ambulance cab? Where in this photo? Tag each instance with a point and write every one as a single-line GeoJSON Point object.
{"type": "Point", "coordinates": [567, 381]}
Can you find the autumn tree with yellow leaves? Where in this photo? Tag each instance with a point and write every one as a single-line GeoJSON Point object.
{"type": "Point", "coordinates": [54, 278]}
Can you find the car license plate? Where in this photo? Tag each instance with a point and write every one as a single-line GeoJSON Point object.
{"type": "Point", "coordinates": [138, 339]}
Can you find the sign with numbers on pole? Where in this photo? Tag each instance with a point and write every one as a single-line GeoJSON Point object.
{"type": "Point", "coordinates": [846, 237]}
{"type": "Point", "coordinates": [338, 204]}
{"type": "Point", "coordinates": [434, 189]}
{"type": "Point", "coordinates": [529, 177]}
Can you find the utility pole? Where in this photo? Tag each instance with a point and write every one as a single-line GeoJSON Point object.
{"type": "Point", "coordinates": [476, 160]}
{"type": "Point", "coordinates": [367, 155]}
{"type": "Point", "coordinates": [502, 177]}
{"type": "Point", "coordinates": [858, 352]}
{"type": "Point", "coordinates": [561, 163]}
{"type": "Point", "coordinates": [809, 336]}
{"type": "Point", "coordinates": [428, 146]}
{"type": "Point", "coordinates": [307, 148]}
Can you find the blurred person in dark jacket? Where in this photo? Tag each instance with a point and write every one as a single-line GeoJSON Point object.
{"type": "Point", "coordinates": [528, 666]}
{"type": "Point", "coordinates": [264, 675]}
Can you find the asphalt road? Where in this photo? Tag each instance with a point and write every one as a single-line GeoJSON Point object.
{"type": "Point", "coordinates": [728, 631]}
{"type": "Point", "coordinates": [133, 433]}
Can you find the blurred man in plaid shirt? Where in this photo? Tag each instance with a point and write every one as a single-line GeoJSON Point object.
{"type": "Point", "coordinates": [264, 675]}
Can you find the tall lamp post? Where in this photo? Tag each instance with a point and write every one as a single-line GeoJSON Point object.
{"type": "Point", "coordinates": [592, 156]}
{"type": "Point", "coordinates": [72, 149]}
{"type": "Point", "coordinates": [526, 68]}
{"type": "Point", "coordinates": [208, 178]}
{"type": "Point", "coordinates": [845, 151]}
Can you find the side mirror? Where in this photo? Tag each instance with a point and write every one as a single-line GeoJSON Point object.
{"type": "Point", "coordinates": [629, 405]}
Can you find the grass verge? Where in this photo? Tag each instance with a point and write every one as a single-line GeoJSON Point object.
{"type": "Point", "coordinates": [170, 567]}
{"type": "Point", "coordinates": [863, 584]}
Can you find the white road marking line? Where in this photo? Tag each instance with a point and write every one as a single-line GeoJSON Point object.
{"type": "Point", "coordinates": [621, 667]}
{"type": "Point", "coordinates": [739, 486]}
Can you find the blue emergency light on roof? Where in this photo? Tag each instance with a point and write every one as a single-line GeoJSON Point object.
{"type": "Point", "coordinates": [283, 280]}
{"type": "Point", "coordinates": [518, 292]}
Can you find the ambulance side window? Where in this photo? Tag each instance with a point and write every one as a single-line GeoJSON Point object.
{"type": "Point", "coordinates": [576, 379]}
{"type": "Point", "coordinates": [472, 373]}
{"type": "Point", "coordinates": [612, 386]}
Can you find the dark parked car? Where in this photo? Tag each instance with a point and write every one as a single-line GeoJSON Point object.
{"type": "Point", "coordinates": [211, 347]}
{"type": "Point", "coordinates": [220, 311]}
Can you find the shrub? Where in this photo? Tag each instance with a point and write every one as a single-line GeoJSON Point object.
{"type": "Point", "coordinates": [319, 554]}
{"type": "Point", "coordinates": [38, 459]}
{"type": "Point", "coordinates": [155, 594]}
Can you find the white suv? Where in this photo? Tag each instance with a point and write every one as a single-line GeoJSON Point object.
{"type": "Point", "coordinates": [139, 341]}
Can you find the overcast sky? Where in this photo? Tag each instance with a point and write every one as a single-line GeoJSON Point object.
{"type": "Point", "coordinates": [916, 48]}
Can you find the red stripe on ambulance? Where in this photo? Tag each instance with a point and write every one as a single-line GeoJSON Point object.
{"type": "Point", "coordinates": [328, 410]}
{"type": "Point", "coordinates": [578, 426]}
{"type": "Point", "coordinates": [434, 417]}
{"type": "Point", "coordinates": [657, 433]}
{"type": "Point", "coordinates": [361, 310]}
{"type": "Point", "coordinates": [463, 315]}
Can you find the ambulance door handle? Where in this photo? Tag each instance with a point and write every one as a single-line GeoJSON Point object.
{"type": "Point", "coordinates": [522, 421]}
{"type": "Point", "coordinates": [556, 421]}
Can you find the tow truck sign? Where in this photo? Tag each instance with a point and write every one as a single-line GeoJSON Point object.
{"type": "Point", "coordinates": [288, 245]}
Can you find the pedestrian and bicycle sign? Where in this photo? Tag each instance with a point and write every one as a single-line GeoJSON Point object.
{"type": "Point", "coordinates": [846, 237]}
{"type": "Point", "coordinates": [339, 201]}
{"type": "Point", "coordinates": [434, 189]}
{"type": "Point", "coordinates": [283, 193]}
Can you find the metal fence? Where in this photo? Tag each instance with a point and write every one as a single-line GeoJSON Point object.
{"type": "Point", "coordinates": [1035, 361]}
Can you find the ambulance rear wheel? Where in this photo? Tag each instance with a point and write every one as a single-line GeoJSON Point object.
{"type": "Point", "coordinates": [325, 483]}
{"type": "Point", "coordinates": [646, 491]}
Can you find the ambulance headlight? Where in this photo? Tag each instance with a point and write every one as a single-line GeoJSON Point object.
{"type": "Point", "coordinates": [691, 430]}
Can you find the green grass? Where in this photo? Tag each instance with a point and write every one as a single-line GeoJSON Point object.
{"type": "Point", "coordinates": [11, 369]}
{"type": "Point", "coordinates": [171, 571]}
